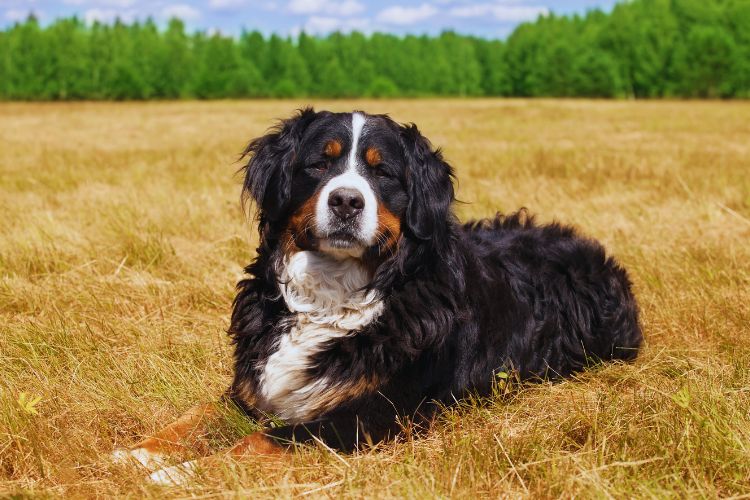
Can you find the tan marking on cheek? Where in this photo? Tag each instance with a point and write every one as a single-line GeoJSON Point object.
{"type": "Point", "coordinates": [372, 156]}
{"type": "Point", "coordinates": [296, 236]}
{"type": "Point", "coordinates": [333, 149]}
{"type": "Point", "coordinates": [389, 229]}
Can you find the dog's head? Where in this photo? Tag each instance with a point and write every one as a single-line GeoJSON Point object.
{"type": "Point", "coordinates": [348, 184]}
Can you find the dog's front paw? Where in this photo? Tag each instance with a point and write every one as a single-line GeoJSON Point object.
{"type": "Point", "coordinates": [142, 456]}
{"type": "Point", "coordinates": [174, 476]}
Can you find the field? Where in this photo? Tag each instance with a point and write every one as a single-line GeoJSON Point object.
{"type": "Point", "coordinates": [122, 236]}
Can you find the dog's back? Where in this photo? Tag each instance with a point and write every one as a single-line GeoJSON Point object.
{"type": "Point", "coordinates": [551, 301]}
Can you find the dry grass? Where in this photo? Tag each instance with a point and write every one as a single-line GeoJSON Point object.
{"type": "Point", "coordinates": [121, 238]}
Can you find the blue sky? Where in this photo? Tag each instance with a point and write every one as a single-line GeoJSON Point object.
{"type": "Point", "coordinates": [489, 18]}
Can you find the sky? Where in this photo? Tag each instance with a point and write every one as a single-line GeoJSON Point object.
{"type": "Point", "coordinates": [487, 18]}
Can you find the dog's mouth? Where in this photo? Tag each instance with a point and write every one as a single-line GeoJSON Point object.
{"type": "Point", "coordinates": [342, 239]}
{"type": "Point", "coordinates": [342, 242]}
{"type": "Point", "coordinates": [338, 242]}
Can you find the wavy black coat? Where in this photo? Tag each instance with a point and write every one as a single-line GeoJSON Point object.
{"type": "Point", "coordinates": [462, 303]}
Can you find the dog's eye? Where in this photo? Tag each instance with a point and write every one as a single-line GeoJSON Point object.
{"type": "Point", "coordinates": [380, 171]}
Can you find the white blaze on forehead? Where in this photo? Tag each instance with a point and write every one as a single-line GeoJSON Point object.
{"type": "Point", "coordinates": [351, 178]}
{"type": "Point", "coordinates": [358, 123]}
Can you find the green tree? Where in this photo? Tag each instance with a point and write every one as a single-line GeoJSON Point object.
{"type": "Point", "coordinates": [494, 66]}
{"type": "Point", "coordinates": [595, 74]}
{"type": "Point", "coordinates": [641, 49]}
{"type": "Point", "coordinates": [221, 70]}
{"type": "Point", "coordinates": [382, 86]}
{"type": "Point", "coordinates": [655, 35]}
{"type": "Point", "coordinates": [708, 61]}
{"type": "Point", "coordinates": [100, 51]}
{"type": "Point", "coordinates": [30, 61]}
{"type": "Point", "coordinates": [333, 79]}
{"type": "Point", "coordinates": [737, 19]}
{"type": "Point", "coordinates": [254, 51]}
{"type": "Point", "coordinates": [173, 62]}
{"type": "Point", "coordinates": [69, 65]}
{"type": "Point", "coordinates": [4, 66]}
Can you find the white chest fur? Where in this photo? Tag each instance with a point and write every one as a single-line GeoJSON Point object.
{"type": "Point", "coordinates": [326, 295]}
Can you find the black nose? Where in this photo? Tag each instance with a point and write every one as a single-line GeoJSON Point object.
{"type": "Point", "coordinates": [345, 202]}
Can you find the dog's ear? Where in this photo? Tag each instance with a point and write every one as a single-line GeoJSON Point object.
{"type": "Point", "coordinates": [268, 173]}
{"type": "Point", "coordinates": [429, 182]}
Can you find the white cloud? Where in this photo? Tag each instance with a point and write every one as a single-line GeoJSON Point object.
{"type": "Point", "coordinates": [181, 11]}
{"type": "Point", "coordinates": [230, 5]}
{"type": "Point", "coordinates": [406, 15]}
{"type": "Point", "coordinates": [226, 4]}
{"type": "Point", "coordinates": [306, 6]}
{"type": "Point", "coordinates": [121, 4]}
{"type": "Point", "coordinates": [331, 7]}
{"type": "Point", "coordinates": [510, 13]}
{"type": "Point", "coordinates": [474, 2]}
{"type": "Point", "coordinates": [349, 7]}
{"type": "Point", "coordinates": [322, 25]}
{"type": "Point", "coordinates": [18, 15]}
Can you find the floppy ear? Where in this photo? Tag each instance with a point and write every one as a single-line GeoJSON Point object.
{"type": "Point", "coordinates": [268, 173]}
{"type": "Point", "coordinates": [430, 185]}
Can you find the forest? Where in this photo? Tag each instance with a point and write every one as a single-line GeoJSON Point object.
{"type": "Point", "coordinates": [641, 49]}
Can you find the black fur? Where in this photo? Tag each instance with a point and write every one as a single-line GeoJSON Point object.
{"type": "Point", "coordinates": [462, 302]}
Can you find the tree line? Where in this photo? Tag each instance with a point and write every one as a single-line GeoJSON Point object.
{"type": "Point", "coordinates": [641, 49]}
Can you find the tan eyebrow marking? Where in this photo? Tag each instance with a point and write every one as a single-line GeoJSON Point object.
{"type": "Point", "coordinates": [333, 149]}
{"type": "Point", "coordinates": [373, 157]}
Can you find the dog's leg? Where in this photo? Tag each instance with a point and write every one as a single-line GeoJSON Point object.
{"type": "Point", "coordinates": [256, 443]}
{"type": "Point", "coordinates": [253, 445]}
{"type": "Point", "coordinates": [187, 433]}
{"type": "Point", "coordinates": [270, 446]}
{"type": "Point", "coordinates": [344, 433]}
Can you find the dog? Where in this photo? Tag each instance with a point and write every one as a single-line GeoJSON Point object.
{"type": "Point", "coordinates": [369, 304]}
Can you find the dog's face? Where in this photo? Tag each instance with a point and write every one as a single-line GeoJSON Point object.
{"type": "Point", "coordinates": [348, 184]}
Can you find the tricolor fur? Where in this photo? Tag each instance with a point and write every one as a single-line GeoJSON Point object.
{"type": "Point", "coordinates": [329, 300]}
{"type": "Point", "coordinates": [368, 301]}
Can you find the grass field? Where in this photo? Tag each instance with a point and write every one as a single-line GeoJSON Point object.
{"type": "Point", "coordinates": [122, 236]}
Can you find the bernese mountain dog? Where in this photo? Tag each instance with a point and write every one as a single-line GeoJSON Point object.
{"type": "Point", "coordinates": [369, 304]}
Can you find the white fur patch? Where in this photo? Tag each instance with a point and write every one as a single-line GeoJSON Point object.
{"type": "Point", "coordinates": [326, 295]}
{"type": "Point", "coordinates": [351, 178]}
{"type": "Point", "coordinates": [140, 456]}
{"type": "Point", "coordinates": [358, 123]}
{"type": "Point", "coordinates": [174, 476]}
